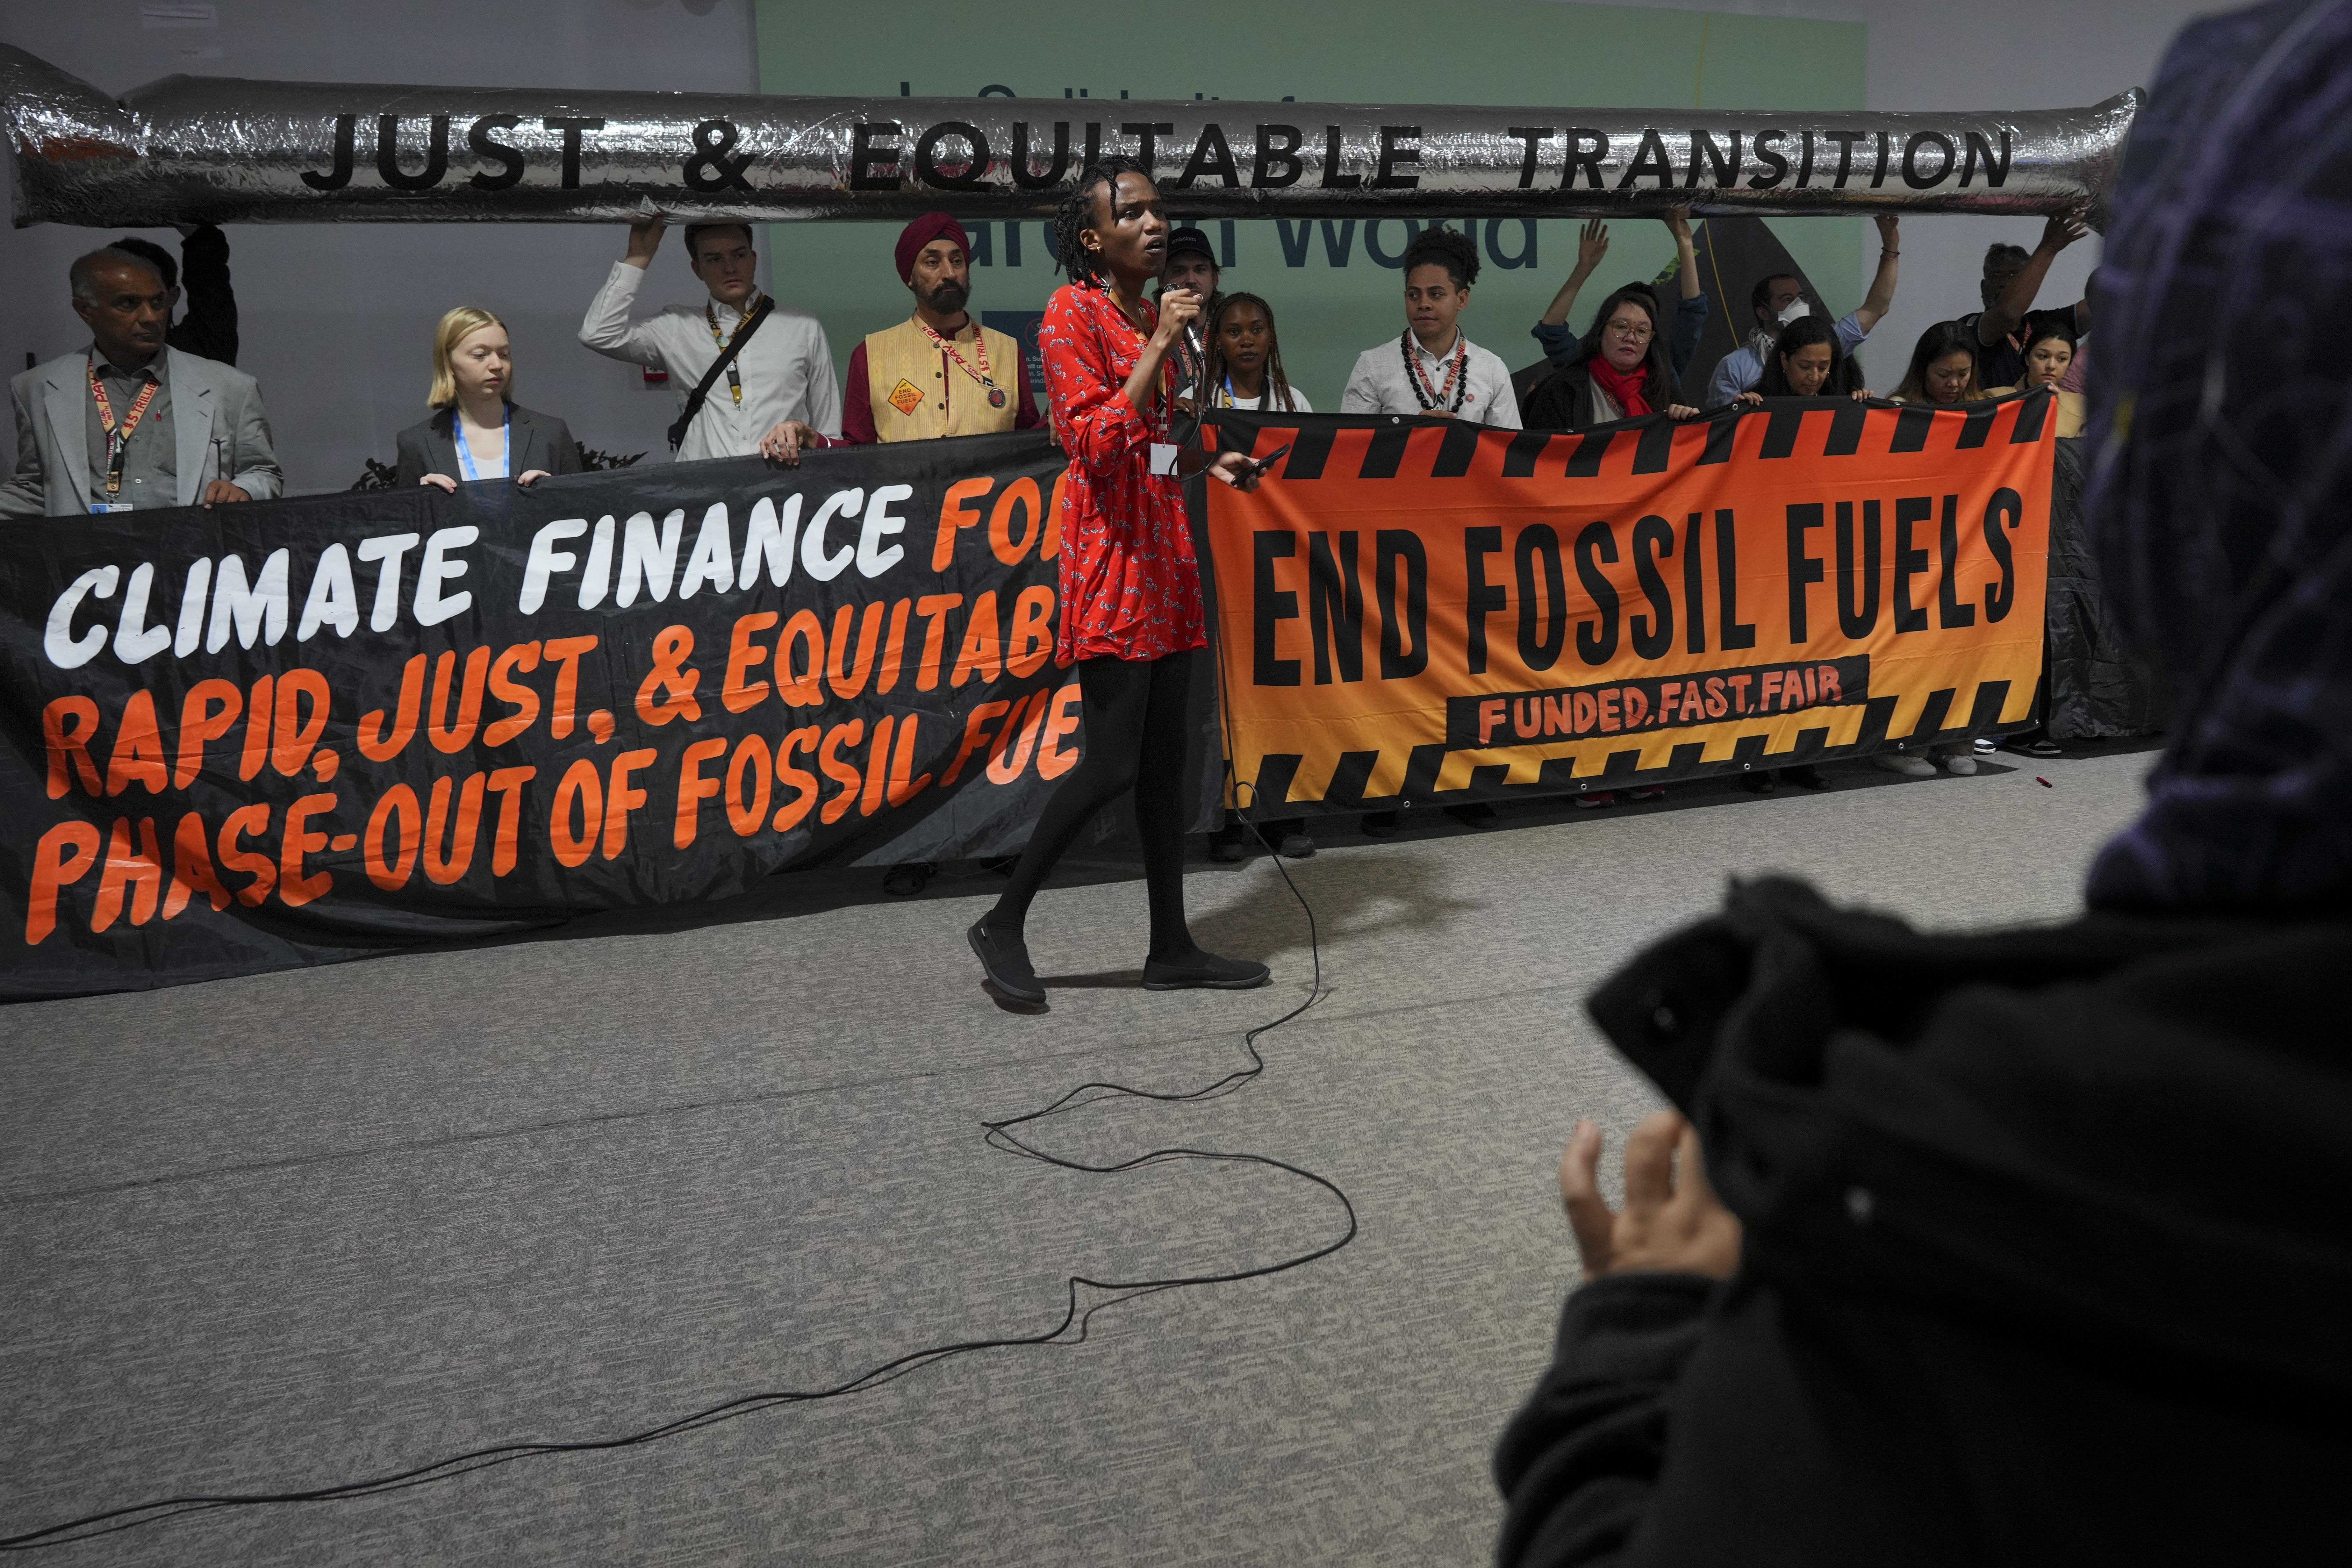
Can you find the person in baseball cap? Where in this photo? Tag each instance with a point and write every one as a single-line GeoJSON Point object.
{"type": "Point", "coordinates": [939, 373]}
{"type": "Point", "coordinates": [1190, 262]}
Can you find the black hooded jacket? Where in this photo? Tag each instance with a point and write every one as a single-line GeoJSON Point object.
{"type": "Point", "coordinates": [2046, 1256]}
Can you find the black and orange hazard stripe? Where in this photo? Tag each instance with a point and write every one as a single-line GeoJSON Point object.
{"type": "Point", "coordinates": [1420, 609]}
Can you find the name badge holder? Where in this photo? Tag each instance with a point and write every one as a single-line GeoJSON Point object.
{"type": "Point", "coordinates": [466, 465]}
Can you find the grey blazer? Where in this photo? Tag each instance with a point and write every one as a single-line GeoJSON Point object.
{"type": "Point", "coordinates": [534, 441]}
{"type": "Point", "coordinates": [219, 431]}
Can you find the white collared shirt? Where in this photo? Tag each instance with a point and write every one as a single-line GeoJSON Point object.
{"type": "Point", "coordinates": [1381, 385]}
{"type": "Point", "coordinates": [787, 366]}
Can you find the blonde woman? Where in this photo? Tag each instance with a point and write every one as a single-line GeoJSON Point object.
{"type": "Point", "coordinates": [476, 430]}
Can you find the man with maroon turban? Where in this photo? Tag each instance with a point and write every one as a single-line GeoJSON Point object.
{"type": "Point", "coordinates": [939, 373]}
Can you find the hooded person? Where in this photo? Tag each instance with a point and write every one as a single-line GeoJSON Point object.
{"type": "Point", "coordinates": [2027, 1246]}
{"type": "Point", "coordinates": [939, 372]}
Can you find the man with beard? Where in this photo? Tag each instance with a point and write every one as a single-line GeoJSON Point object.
{"type": "Point", "coordinates": [939, 373]}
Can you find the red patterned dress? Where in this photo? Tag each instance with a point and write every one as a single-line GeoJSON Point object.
{"type": "Point", "coordinates": [1130, 584]}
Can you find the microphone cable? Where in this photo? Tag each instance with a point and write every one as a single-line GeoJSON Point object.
{"type": "Point", "coordinates": [999, 1134]}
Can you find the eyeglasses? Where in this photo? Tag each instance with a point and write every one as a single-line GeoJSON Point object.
{"type": "Point", "coordinates": [1636, 331]}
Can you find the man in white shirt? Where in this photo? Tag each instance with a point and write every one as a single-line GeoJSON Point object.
{"type": "Point", "coordinates": [779, 394]}
{"type": "Point", "coordinates": [1780, 299]}
{"type": "Point", "coordinates": [1431, 368]}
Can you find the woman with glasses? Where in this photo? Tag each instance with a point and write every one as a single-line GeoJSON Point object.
{"type": "Point", "coordinates": [1623, 373]}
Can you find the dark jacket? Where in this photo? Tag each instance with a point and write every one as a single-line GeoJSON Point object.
{"type": "Point", "coordinates": [534, 441]}
{"type": "Point", "coordinates": [2044, 1254]}
{"type": "Point", "coordinates": [209, 329]}
{"type": "Point", "coordinates": [1563, 401]}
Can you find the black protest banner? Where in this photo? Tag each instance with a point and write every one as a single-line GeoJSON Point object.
{"type": "Point", "coordinates": [286, 733]}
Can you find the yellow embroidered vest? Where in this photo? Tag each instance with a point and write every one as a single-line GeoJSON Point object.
{"type": "Point", "coordinates": [917, 395]}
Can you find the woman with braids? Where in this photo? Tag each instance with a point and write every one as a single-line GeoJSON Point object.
{"type": "Point", "coordinates": [1245, 368]}
{"type": "Point", "coordinates": [1131, 586]}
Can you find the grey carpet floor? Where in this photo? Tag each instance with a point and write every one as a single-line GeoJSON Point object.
{"type": "Point", "coordinates": [282, 1231]}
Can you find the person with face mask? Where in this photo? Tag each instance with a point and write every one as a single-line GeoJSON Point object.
{"type": "Point", "coordinates": [1778, 300]}
{"type": "Point", "coordinates": [774, 393]}
{"type": "Point", "coordinates": [939, 373]}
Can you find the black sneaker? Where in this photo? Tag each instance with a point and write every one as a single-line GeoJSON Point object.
{"type": "Point", "coordinates": [1202, 972]}
{"type": "Point", "coordinates": [1477, 814]}
{"type": "Point", "coordinates": [1758, 782]}
{"type": "Point", "coordinates": [1297, 846]}
{"type": "Point", "coordinates": [1804, 776]}
{"type": "Point", "coordinates": [2042, 748]}
{"type": "Point", "coordinates": [1005, 958]}
{"type": "Point", "coordinates": [1227, 844]}
{"type": "Point", "coordinates": [1380, 824]}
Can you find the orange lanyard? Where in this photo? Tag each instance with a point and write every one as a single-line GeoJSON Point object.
{"type": "Point", "coordinates": [117, 441]}
{"type": "Point", "coordinates": [734, 377]}
{"type": "Point", "coordinates": [980, 346]}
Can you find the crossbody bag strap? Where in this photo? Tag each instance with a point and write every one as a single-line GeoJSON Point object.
{"type": "Point", "coordinates": [702, 392]}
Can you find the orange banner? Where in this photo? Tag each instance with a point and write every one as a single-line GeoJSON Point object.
{"type": "Point", "coordinates": [1415, 610]}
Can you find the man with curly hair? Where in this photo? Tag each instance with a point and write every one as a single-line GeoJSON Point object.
{"type": "Point", "coordinates": [1431, 367]}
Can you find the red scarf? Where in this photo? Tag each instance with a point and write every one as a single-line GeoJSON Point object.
{"type": "Point", "coordinates": [1626, 387]}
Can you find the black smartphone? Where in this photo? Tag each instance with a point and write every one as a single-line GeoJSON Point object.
{"type": "Point", "coordinates": [1263, 464]}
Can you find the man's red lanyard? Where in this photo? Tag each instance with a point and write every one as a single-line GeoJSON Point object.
{"type": "Point", "coordinates": [980, 345]}
{"type": "Point", "coordinates": [734, 377]}
{"type": "Point", "coordinates": [117, 441]}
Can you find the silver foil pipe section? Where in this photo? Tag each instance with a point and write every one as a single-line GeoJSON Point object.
{"type": "Point", "coordinates": [186, 148]}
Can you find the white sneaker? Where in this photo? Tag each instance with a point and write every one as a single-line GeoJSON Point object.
{"type": "Point", "coordinates": [1903, 763]}
{"type": "Point", "coordinates": [1963, 764]}
{"type": "Point", "coordinates": [1985, 745]}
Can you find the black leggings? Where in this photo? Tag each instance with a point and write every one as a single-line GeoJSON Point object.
{"type": "Point", "coordinates": [1134, 713]}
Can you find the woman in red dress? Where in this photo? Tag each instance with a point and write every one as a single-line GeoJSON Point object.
{"type": "Point", "coordinates": [1130, 587]}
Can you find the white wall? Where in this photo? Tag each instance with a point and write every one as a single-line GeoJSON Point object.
{"type": "Point", "coordinates": [338, 318]}
{"type": "Point", "coordinates": [1983, 54]}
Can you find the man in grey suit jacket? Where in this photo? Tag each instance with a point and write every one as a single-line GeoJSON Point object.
{"type": "Point", "coordinates": [127, 424]}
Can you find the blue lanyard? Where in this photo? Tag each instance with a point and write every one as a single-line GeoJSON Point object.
{"type": "Point", "coordinates": [464, 452]}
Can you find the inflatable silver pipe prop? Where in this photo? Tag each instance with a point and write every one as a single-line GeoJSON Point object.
{"type": "Point", "coordinates": [218, 148]}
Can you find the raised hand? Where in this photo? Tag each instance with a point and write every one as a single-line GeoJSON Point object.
{"type": "Point", "coordinates": [644, 238]}
{"type": "Point", "coordinates": [1591, 245]}
{"type": "Point", "coordinates": [1889, 231]}
{"type": "Point", "coordinates": [1671, 1222]}
{"type": "Point", "coordinates": [1678, 223]}
{"type": "Point", "coordinates": [2061, 230]}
